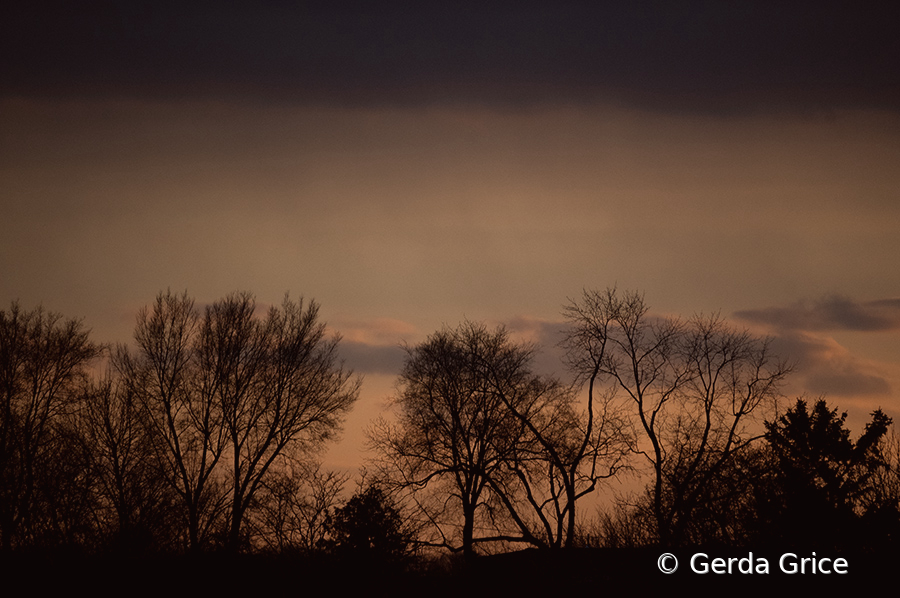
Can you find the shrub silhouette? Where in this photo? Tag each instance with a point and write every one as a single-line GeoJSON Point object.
{"type": "Point", "coordinates": [369, 529]}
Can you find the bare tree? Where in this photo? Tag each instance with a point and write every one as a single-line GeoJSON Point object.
{"type": "Point", "coordinates": [696, 390]}
{"type": "Point", "coordinates": [229, 393]}
{"type": "Point", "coordinates": [177, 398]}
{"type": "Point", "coordinates": [510, 447]}
{"type": "Point", "coordinates": [453, 434]}
{"type": "Point", "coordinates": [280, 386]}
{"type": "Point", "coordinates": [44, 362]}
{"type": "Point", "coordinates": [565, 452]}
{"type": "Point", "coordinates": [134, 501]}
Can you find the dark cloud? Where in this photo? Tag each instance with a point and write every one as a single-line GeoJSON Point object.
{"type": "Point", "coordinates": [707, 56]}
{"type": "Point", "coordinates": [376, 358]}
{"type": "Point", "coordinates": [830, 313]}
{"type": "Point", "coordinates": [826, 368]}
{"type": "Point", "coordinates": [364, 358]}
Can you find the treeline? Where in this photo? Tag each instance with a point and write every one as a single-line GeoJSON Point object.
{"type": "Point", "coordinates": [486, 455]}
{"type": "Point", "coordinates": [203, 436]}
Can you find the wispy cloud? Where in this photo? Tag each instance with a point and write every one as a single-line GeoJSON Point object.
{"type": "Point", "coordinates": [545, 333]}
{"type": "Point", "coordinates": [378, 331]}
{"type": "Point", "coordinates": [377, 346]}
{"type": "Point", "coordinates": [822, 366]}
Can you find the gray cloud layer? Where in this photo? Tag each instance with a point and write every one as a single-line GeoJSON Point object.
{"type": "Point", "coordinates": [373, 358]}
{"type": "Point", "coordinates": [365, 358]}
{"type": "Point", "coordinates": [826, 368]}
{"type": "Point", "coordinates": [821, 365]}
{"type": "Point", "coordinates": [830, 313]}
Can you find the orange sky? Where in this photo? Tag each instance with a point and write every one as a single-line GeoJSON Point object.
{"type": "Point", "coordinates": [399, 221]}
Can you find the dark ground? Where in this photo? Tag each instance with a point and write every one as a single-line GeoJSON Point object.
{"type": "Point", "coordinates": [581, 572]}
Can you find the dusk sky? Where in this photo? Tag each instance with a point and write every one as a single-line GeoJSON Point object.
{"type": "Point", "coordinates": [412, 166]}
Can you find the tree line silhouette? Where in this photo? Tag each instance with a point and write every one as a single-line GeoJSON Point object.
{"type": "Point", "coordinates": [204, 435]}
{"type": "Point", "coordinates": [186, 442]}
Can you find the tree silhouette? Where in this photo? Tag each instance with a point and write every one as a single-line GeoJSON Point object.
{"type": "Point", "coordinates": [279, 385]}
{"type": "Point", "coordinates": [509, 447]}
{"type": "Point", "coordinates": [135, 505]}
{"type": "Point", "coordinates": [453, 432]}
{"type": "Point", "coordinates": [178, 407]}
{"type": "Point", "coordinates": [228, 396]}
{"type": "Point", "coordinates": [291, 510]}
{"type": "Point", "coordinates": [562, 456]}
{"type": "Point", "coordinates": [369, 529]}
{"type": "Point", "coordinates": [817, 494]}
{"type": "Point", "coordinates": [693, 390]}
{"type": "Point", "coordinates": [43, 366]}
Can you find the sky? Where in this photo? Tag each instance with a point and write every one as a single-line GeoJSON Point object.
{"type": "Point", "coordinates": [411, 166]}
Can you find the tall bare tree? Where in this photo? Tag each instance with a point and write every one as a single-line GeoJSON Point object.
{"type": "Point", "coordinates": [280, 386]}
{"type": "Point", "coordinates": [696, 391]}
{"type": "Point", "coordinates": [177, 398]}
{"type": "Point", "coordinates": [228, 394]}
{"type": "Point", "coordinates": [44, 362]}
{"type": "Point", "coordinates": [568, 450]}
